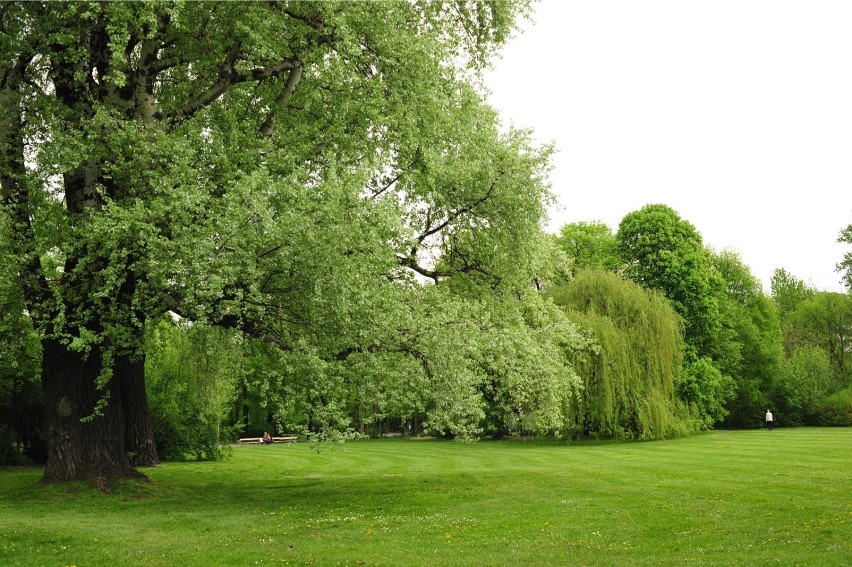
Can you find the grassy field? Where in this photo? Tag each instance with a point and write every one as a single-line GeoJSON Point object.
{"type": "Point", "coordinates": [725, 498]}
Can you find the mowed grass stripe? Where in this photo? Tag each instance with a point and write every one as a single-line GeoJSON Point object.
{"type": "Point", "coordinates": [725, 498]}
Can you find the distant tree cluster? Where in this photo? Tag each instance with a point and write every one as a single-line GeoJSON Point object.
{"type": "Point", "coordinates": [743, 350]}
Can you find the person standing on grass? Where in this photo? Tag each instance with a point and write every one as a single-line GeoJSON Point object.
{"type": "Point", "coordinates": [769, 420]}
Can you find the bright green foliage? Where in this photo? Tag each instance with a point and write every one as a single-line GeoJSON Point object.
{"type": "Point", "coordinates": [456, 367]}
{"type": "Point", "coordinates": [192, 374]}
{"type": "Point", "coordinates": [805, 383]}
{"type": "Point", "coordinates": [632, 369]}
{"type": "Point", "coordinates": [528, 378]}
{"type": "Point", "coordinates": [836, 409]}
{"type": "Point", "coordinates": [552, 265]}
{"type": "Point", "coordinates": [825, 321]}
{"type": "Point", "coordinates": [285, 168]}
{"type": "Point", "coordinates": [845, 265]}
{"type": "Point", "coordinates": [589, 245]}
{"type": "Point", "coordinates": [707, 389]}
{"type": "Point", "coordinates": [811, 330]}
{"type": "Point", "coordinates": [664, 252]}
{"type": "Point", "coordinates": [788, 292]}
{"type": "Point", "coordinates": [270, 393]}
{"type": "Point", "coordinates": [749, 346]}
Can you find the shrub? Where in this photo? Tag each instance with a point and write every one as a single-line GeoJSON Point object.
{"type": "Point", "coordinates": [836, 409]}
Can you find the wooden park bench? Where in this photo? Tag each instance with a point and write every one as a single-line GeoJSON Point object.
{"type": "Point", "coordinates": [259, 440]}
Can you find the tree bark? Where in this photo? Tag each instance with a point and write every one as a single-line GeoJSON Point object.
{"type": "Point", "coordinates": [82, 446]}
{"type": "Point", "coordinates": [139, 430]}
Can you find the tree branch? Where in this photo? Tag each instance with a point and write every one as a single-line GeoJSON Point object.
{"type": "Point", "coordinates": [387, 186]}
{"type": "Point", "coordinates": [229, 321]}
{"type": "Point", "coordinates": [293, 78]}
{"type": "Point", "coordinates": [410, 261]}
{"type": "Point", "coordinates": [222, 83]}
{"type": "Point", "coordinates": [228, 75]}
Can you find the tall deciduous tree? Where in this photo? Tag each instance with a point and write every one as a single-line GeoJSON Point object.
{"type": "Point", "coordinates": [589, 245]}
{"type": "Point", "coordinates": [276, 167]}
{"type": "Point", "coordinates": [749, 347]}
{"type": "Point", "coordinates": [825, 321]}
{"type": "Point", "coordinates": [845, 265]}
{"type": "Point", "coordinates": [662, 251]}
{"type": "Point", "coordinates": [788, 291]}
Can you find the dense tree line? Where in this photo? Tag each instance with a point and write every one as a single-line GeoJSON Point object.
{"type": "Point", "coordinates": [302, 216]}
{"type": "Point", "coordinates": [744, 351]}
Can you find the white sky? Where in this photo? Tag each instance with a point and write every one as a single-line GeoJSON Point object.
{"type": "Point", "coordinates": [735, 113]}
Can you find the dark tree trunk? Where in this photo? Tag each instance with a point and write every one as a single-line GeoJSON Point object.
{"type": "Point", "coordinates": [82, 446]}
{"type": "Point", "coordinates": [139, 431]}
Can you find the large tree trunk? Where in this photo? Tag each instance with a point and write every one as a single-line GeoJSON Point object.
{"type": "Point", "coordinates": [139, 431]}
{"type": "Point", "coordinates": [82, 446]}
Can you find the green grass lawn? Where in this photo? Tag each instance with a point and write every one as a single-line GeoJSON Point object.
{"type": "Point", "coordinates": [739, 498]}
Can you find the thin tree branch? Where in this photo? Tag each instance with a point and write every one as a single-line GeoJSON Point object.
{"type": "Point", "coordinates": [410, 261]}
{"type": "Point", "coordinates": [390, 184]}
{"type": "Point", "coordinates": [228, 75]}
{"type": "Point", "coordinates": [293, 78]}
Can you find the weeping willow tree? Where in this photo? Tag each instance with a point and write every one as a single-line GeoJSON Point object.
{"type": "Point", "coordinates": [631, 371]}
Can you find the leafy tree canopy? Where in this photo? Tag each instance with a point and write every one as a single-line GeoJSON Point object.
{"type": "Point", "coordinates": [824, 321]}
{"type": "Point", "coordinates": [749, 345]}
{"type": "Point", "coordinates": [662, 251]}
{"type": "Point", "coordinates": [285, 168]}
{"type": "Point", "coordinates": [845, 265]}
{"type": "Point", "coordinates": [788, 291]}
{"type": "Point", "coordinates": [589, 245]}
